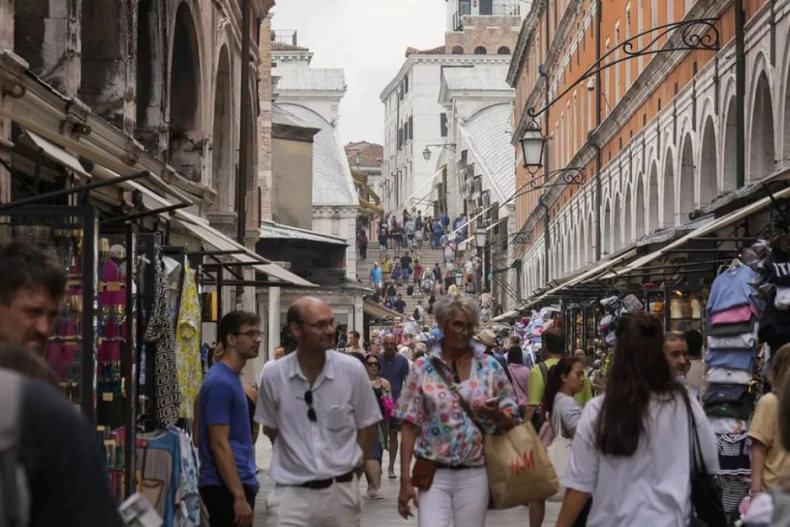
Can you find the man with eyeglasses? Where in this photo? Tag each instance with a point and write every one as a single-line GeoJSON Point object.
{"type": "Point", "coordinates": [317, 407]}
{"type": "Point", "coordinates": [227, 480]}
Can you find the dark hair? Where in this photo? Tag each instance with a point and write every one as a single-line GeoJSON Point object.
{"type": "Point", "coordinates": [694, 343]}
{"type": "Point", "coordinates": [515, 355]}
{"type": "Point", "coordinates": [554, 380]}
{"type": "Point", "coordinates": [784, 411]}
{"type": "Point", "coordinates": [294, 314]}
{"type": "Point", "coordinates": [355, 333]}
{"type": "Point", "coordinates": [374, 357]}
{"type": "Point", "coordinates": [231, 324]}
{"type": "Point", "coordinates": [21, 360]}
{"type": "Point", "coordinates": [23, 264]}
{"type": "Point", "coordinates": [639, 370]}
{"type": "Point", "coordinates": [554, 340]}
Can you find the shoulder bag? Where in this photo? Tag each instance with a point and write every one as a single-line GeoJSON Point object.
{"type": "Point", "coordinates": [559, 451]}
{"type": "Point", "coordinates": [707, 509]}
{"type": "Point", "coordinates": [518, 467]}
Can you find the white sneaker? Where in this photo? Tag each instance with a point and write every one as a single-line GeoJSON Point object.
{"type": "Point", "coordinates": [391, 473]}
{"type": "Point", "coordinates": [374, 495]}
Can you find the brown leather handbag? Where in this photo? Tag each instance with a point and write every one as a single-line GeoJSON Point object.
{"type": "Point", "coordinates": [422, 473]}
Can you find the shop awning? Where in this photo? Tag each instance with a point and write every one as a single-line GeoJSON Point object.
{"type": "Point", "coordinates": [594, 272]}
{"type": "Point", "coordinates": [712, 227]}
{"type": "Point", "coordinates": [57, 154]}
{"type": "Point", "coordinates": [271, 230]}
{"type": "Point", "coordinates": [378, 311]}
{"type": "Point", "coordinates": [506, 316]}
{"type": "Point", "coordinates": [220, 242]}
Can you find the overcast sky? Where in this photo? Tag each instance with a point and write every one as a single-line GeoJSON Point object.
{"type": "Point", "coordinates": [368, 39]}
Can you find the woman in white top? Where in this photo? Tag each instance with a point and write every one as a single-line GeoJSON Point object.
{"type": "Point", "coordinates": [631, 447]}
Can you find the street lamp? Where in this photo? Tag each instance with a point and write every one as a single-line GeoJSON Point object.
{"type": "Point", "coordinates": [459, 278]}
{"type": "Point", "coordinates": [426, 154]}
{"type": "Point", "coordinates": [532, 146]}
{"type": "Point", "coordinates": [481, 237]}
{"type": "Point", "coordinates": [357, 160]}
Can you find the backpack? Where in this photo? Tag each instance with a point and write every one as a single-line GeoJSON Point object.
{"type": "Point", "coordinates": [409, 290]}
{"type": "Point", "coordinates": [539, 417]}
{"type": "Point", "coordinates": [14, 492]}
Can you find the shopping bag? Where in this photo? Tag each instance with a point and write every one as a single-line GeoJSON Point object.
{"type": "Point", "coordinates": [559, 454]}
{"type": "Point", "coordinates": [519, 469]}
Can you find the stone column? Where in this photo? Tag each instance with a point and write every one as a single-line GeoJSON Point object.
{"type": "Point", "coordinates": [274, 319]}
{"type": "Point", "coordinates": [264, 172]}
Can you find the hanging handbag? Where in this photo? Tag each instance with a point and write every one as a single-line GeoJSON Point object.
{"type": "Point", "coordinates": [707, 509]}
{"type": "Point", "coordinates": [559, 452]}
{"type": "Point", "coordinates": [518, 466]}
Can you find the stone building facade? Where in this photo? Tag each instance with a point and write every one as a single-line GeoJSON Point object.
{"type": "Point", "coordinates": [477, 33]}
{"type": "Point", "coordinates": [655, 135]}
{"type": "Point", "coordinates": [166, 74]}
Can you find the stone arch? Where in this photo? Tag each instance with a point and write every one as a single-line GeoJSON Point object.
{"type": "Point", "coordinates": [640, 221]}
{"type": "Point", "coordinates": [729, 178]}
{"type": "Point", "coordinates": [589, 248]}
{"type": "Point", "coordinates": [685, 186]}
{"type": "Point", "coordinates": [457, 50]}
{"type": "Point", "coordinates": [628, 216]}
{"type": "Point", "coordinates": [668, 194]}
{"type": "Point", "coordinates": [222, 179]}
{"type": "Point", "coordinates": [707, 164]}
{"type": "Point", "coordinates": [150, 74]}
{"type": "Point", "coordinates": [480, 50]}
{"type": "Point", "coordinates": [503, 50]}
{"type": "Point", "coordinates": [105, 48]}
{"type": "Point", "coordinates": [761, 138]}
{"type": "Point", "coordinates": [185, 145]}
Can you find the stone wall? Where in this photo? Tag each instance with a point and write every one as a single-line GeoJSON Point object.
{"type": "Point", "coordinates": [490, 32]}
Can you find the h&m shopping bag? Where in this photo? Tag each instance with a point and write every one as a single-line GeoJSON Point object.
{"type": "Point", "coordinates": [519, 470]}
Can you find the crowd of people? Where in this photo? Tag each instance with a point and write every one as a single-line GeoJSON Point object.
{"type": "Point", "coordinates": [400, 273]}
{"type": "Point", "coordinates": [641, 450]}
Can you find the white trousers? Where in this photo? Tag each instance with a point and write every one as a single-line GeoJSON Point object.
{"type": "Point", "coordinates": [339, 505]}
{"type": "Point", "coordinates": [462, 494]}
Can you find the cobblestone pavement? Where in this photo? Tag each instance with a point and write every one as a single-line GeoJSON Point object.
{"type": "Point", "coordinates": [383, 513]}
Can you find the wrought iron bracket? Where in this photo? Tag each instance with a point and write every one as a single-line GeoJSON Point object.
{"type": "Point", "coordinates": [569, 176]}
{"type": "Point", "coordinates": [699, 34]}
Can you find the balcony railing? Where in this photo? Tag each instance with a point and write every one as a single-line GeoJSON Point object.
{"type": "Point", "coordinates": [286, 36]}
{"type": "Point", "coordinates": [497, 8]}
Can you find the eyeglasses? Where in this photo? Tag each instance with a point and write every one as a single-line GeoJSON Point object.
{"type": "Point", "coordinates": [308, 399]}
{"type": "Point", "coordinates": [252, 333]}
{"type": "Point", "coordinates": [372, 364]}
{"type": "Point", "coordinates": [460, 327]}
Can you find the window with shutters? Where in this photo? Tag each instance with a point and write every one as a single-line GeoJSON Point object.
{"type": "Point", "coordinates": [443, 124]}
{"type": "Point", "coordinates": [411, 127]}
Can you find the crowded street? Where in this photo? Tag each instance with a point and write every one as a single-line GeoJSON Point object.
{"type": "Point", "coordinates": [383, 263]}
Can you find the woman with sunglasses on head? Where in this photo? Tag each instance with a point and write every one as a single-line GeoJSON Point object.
{"type": "Point", "coordinates": [383, 391]}
{"type": "Point", "coordinates": [632, 447]}
{"type": "Point", "coordinates": [446, 442]}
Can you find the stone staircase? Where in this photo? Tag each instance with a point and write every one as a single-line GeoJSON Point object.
{"type": "Point", "coordinates": [428, 257]}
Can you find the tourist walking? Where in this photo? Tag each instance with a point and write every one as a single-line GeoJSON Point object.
{"type": "Point", "coordinates": [317, 407]}
{"type": "Point", "coordinates": [228, 482]}
{"type": "Point", "coordinates": [442, 438]}
{"type": "Point", "coordinates": [632, 446]}
{"type": "Point", "coordinates": [383, 391]}
{"type": "Point", "coordinates": [394, 368]}
{"type": "Point", "coordinates": [362, 243]}
{"type": "Point", "coordinates": [519, 373]}
{"type": "Point", "coordinates": [770, 462]}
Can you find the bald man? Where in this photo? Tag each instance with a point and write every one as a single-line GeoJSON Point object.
{"type": "Point", "coordinates": [320, 402]}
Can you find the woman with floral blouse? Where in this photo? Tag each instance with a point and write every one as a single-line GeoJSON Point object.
{"type": "Point", "coordinates": [437, 429]}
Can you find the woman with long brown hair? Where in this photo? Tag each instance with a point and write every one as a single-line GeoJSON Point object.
{"type": "Point", "coordinates": [631, 450]}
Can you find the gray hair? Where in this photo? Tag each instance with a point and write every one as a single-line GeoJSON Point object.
{"type": "Point", "coordinates": [421, 346]}
{"type": "Point", "coordinates": [449, 305]}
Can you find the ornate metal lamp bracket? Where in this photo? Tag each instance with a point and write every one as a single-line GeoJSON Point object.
{"type": "Point", "coordinates": [699, 34]}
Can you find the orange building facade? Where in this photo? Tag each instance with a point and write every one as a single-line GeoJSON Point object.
{"type": "Point", "coordinates": [655, 132]}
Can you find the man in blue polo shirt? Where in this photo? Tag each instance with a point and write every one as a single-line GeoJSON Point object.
{"type": "Point", "coordinates": [227, 479]}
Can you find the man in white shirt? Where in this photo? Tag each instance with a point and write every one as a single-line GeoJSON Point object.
{"type": "Point", "coordinates": [317, 407]}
